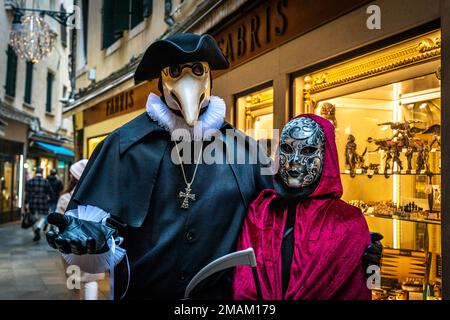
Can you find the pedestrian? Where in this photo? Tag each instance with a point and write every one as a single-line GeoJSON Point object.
{"type": "Point", "coordinates": [37, 194]}
{"type": "Point", "coordinates": [57, 188]}
{"type": "Point", "coordinates": [75, 172]}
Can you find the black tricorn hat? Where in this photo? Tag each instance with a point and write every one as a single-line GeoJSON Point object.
{"type": "Point", "coordinates": [177, 49]}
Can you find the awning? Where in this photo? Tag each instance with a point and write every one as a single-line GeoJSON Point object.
{"type": "Point", "coordinates": [57, 150]}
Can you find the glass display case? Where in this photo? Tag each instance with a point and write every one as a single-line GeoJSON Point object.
{"type": "Point", "coordinates": [388, 139]}
{"type": "Point", "coordinates": [386, 109]}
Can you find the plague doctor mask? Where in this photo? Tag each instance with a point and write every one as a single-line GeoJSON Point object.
{"type": "Point", "coordinates": [301, 152]}
{"type": "Point", "coordinates": [187, 89]}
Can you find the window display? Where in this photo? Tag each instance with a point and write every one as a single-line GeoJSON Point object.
{"type": "Point", "coordinates": [386, 109]}
{"type": "Point", "coordinates": [389, 144]}
{"type": "Point", "coordinates": [254, 115]}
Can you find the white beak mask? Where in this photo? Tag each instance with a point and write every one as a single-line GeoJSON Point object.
{"type": "Point", "coordinates": [187, 89]}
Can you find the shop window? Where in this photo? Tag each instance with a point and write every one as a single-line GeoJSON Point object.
{"type": "Point", "coordinates": [10, 180]}
{"type": "Point", "coordinates": [388, 130]}
{"type": "Point", "coordinates": [11, 73]}
{"type": "Point", "coordinates": [254, 114]}
{"type": "Point", "coordinates": [6, 184]}
{"type": "Point", "coordinates": [391, 135]}
{"type": "Point", "coordinates": [93, 142]}
{"type": "Point", "coordinates": [48, 103]}
{"type": "Point", "coordinates": [28, 82]}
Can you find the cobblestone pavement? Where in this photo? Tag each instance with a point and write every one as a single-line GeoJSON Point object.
{"type": "Point", "coordinates": [32, 270]}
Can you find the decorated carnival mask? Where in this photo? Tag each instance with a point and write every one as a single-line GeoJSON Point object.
{"type": "Point", "coordinates": [187, 88]}
{"type": "Point", "coordinates": [301, 152]}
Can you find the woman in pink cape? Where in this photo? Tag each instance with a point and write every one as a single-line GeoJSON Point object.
{"type": "Point", "coordinates": [308, 242]}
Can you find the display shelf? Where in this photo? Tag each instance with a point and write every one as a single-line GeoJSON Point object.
{"type": "Point", "coordinates": [377, 215]}
{"type": "Point", "coordinates": [403, 150]}
{"type": "Point", "coordinates": [390, 173]}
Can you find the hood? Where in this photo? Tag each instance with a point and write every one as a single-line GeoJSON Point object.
{"type": "Point", "coordinates": [330, 180]}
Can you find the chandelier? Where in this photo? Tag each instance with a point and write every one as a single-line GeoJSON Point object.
{"type": "Point", "coordinates": [31, 38]}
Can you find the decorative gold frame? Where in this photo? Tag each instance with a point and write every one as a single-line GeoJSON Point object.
{"type": "Point", "coordinates": [400, 56]}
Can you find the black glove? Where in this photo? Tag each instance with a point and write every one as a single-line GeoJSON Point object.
{"type": "Point", "coordinates": [78, 236]}
{"type": "Point", "coordinates": [372, 255]}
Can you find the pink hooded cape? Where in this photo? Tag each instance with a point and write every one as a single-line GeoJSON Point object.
{"type": "Point", "coordinates": [330, 238]}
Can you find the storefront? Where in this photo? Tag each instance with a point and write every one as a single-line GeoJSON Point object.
{"type": "Point", "coordinates": [380, 88]}
{"type": "Point", "coordinates": [386, 107]}
{"type": "Point", "coordinates": [13, 148]}
{"type": "Point", "coordinates": [49, 155]}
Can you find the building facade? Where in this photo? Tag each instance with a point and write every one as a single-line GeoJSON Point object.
{"type": "Point", "coordinates": [34, 131]}
{"type": "Point", "coordinates": [376, 69]}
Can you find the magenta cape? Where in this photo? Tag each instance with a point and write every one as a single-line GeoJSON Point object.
{"type": "Point", "coordinates": [330, 238]}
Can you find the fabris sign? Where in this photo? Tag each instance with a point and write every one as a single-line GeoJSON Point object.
{"type": "Point", "coordinates": [122, 103]}
{"type": "Point", "coordinates": [274, 22]}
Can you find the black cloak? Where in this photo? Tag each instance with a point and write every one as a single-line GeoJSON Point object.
{"type": "Point", "coordinates": [120, 178]}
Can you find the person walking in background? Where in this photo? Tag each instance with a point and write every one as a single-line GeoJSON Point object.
{"type": "Point", "coordinates": [75, 172]}
{"type": "Point", "coordinates": [37, 194]}
{"type": "Point", "coordinates": [57, 188]}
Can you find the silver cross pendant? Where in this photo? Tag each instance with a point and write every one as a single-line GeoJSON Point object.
{"type": "Point", "coordinates": [187, 195]}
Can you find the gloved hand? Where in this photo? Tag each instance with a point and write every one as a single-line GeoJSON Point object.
{"type": "Point", "coordinates": [78, 236]}
{"type": "Point", "coordinates": [372, 255]}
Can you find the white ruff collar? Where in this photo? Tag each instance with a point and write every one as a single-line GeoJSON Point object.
{"type": "Point", "coordinates": [208, 122]}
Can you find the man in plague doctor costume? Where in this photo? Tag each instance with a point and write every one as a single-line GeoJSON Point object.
{"type": "Point", "coordinates": [146, 191]}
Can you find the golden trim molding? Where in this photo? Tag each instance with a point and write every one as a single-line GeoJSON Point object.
{"type": "Point", "coordinates": [387, 60]}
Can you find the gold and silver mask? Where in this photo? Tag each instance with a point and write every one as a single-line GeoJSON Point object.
{"type": "Point", "coordinates": [187, 89]}
{"type": "Point", "coordinates": [301, 152]}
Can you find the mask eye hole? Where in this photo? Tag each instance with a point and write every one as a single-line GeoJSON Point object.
{"type": "Point", "coordinates": [198, 69]}
{"type": "Point", "coordinates": [175, 71]}
{"type": "Point", "coordinates": [307, 151]}
{"type": "Point", "coordinates": [286, 148]}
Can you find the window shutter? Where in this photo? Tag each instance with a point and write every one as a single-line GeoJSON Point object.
{"type": "Point", "coordinates": [108, 23]}
{"type": "Point", "coordinates": [11, 73]}
{"type": "Point", "coordinates": [85, 10]}
{"type": "Point", "coordinates": [137, 12]}
{"type": "Point", "coordinates": [28, 82]}
{"type": "Point", "coordinates": [48, 105]}
{"type": "Point", "coordinates": [121, 17]}
{"type": "Point", "coordinates": [148, 8]}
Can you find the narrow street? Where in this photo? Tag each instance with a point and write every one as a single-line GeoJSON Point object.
{"type": "Point", "coordinates": [32, 271]}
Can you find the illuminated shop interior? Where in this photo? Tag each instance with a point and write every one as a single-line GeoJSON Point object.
{"type": "Point", "coordinates": [386, 108]}
{"type": "Point", "coordinates": [254, 115]}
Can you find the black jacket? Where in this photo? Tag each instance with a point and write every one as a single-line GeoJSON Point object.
{"type": "Point", "coordinates": [121, 177]}
{"type": "Point", "coordinates": [57, 187]}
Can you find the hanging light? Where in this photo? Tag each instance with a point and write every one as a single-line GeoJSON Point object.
{"type": "Point", "coordinates": [31, 37]}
